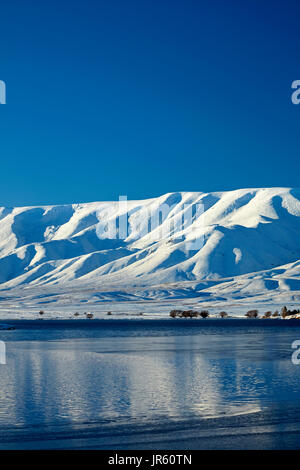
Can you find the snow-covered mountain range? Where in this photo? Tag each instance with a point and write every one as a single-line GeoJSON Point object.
{"type": "Point", "coordinates": [249, 247]}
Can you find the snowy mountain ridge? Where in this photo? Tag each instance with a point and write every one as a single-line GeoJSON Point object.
{"type": "Point", "coordinates": [249, 244]}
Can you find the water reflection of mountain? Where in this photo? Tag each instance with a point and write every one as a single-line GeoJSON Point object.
{"type": "Point", "coordinates": [88, 387]}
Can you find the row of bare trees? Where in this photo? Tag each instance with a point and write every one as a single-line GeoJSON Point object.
{"type": "Point", "coordinates": [283, 313]}
{"type": "Point", "coordinates": [250, 314]}
{"type": "Point", "coordinates": [188, 314]}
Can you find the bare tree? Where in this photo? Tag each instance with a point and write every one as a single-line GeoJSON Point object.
{"type": "Point", "coordinates": [267, 314]}
{"type": "Point", "coordinates": [252, 314]}
{"type": "Point", "coordinates": [223, 314]}
{"type": "Point", "coordinates": [204, 313]}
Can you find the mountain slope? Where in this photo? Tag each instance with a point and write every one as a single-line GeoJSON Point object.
{"type": "Point", "coordinates": [229, 237]}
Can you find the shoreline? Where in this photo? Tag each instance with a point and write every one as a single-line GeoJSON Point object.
{"type": "Point", "coordinates": [164, 322]}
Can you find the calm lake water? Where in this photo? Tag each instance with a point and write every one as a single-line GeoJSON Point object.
{"type": "Point", "coordinates": [143, 384]}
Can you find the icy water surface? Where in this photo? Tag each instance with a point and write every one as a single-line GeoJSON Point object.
{"type": "Point", "coordinates": [161, 384]}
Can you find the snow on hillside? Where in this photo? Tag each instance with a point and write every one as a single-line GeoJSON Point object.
{"type": "Point", "coordinates": [62, 254]}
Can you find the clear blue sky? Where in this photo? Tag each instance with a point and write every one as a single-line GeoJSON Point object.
{"type": "Point", "coordinates": [143, 97]}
